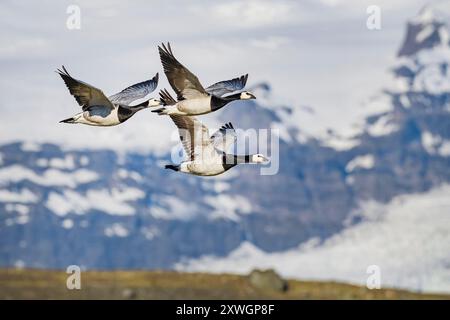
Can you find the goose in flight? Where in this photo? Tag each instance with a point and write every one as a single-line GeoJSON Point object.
{"type": "Point", "coordinates": [193, 99]}
{"type": "Point", "coordinates": [98, 110]}
{"type": "Point", "coordinates": [206, 154]}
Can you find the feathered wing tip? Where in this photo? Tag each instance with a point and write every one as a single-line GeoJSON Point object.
{"type": "Point", "coordinates": [166, 98]}
{"type": "Point", "coordinates": [228, 125]}
{"type": "Point", "coordinates": [167, 58]}
{"type": "Point", "coordinates": [225, 127]}
{"type": "Point", "coordinates": [243, 79]}
{"type": "Point", "coordinates": [166, 55]}
{"type": "Point", "coordinates": [63, 72]}
{"type": "Point", "coordinates": [165, 49]}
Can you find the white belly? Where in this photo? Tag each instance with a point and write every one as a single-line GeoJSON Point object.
{"type": "Point", "coordinates": [195, 106]}
{"type": "Point", "coordinates": [111, 119]}
{"type": "Point", "coordinates": [203, 168]}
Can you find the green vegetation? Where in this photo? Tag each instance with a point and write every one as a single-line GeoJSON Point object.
{"type": "Point", "coordinates": [48, 284]}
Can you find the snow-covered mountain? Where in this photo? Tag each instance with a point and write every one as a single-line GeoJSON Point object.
{"type": "Point", "coordinates": [338, 203]}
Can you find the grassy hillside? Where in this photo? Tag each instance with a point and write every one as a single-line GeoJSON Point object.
{"type": "Point", "coordinates": [47, 284]}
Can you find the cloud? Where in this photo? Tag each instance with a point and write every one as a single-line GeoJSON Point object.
{"type": "Point", "coordinates": [254, 13]}
{"type": "Point", "coordinates": [13, 47]}
{"type": "Point", "coordinates": [271, 42]}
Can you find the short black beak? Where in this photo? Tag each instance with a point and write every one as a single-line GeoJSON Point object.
{"type": "Point", "coordinates": [252, 96]}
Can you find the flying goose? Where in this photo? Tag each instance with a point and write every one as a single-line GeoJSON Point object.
{"type": "Point", "coordinates": [206, 154]}
{"type": "Point", "coordinates": [98, 110]}
{"type": "Point", "coordinates": [193, 99]}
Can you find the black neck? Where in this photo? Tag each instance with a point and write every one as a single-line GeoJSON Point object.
{"type": "Point", "coordinates": [126, 112]}
{"type": "Point", "coordinates": [232, 159]}
{"type": "Point", "coordinates": [220, 102]}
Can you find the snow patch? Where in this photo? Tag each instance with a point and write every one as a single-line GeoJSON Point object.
{"type": "Point", "coordinates": [19, 208]}
{"type": "Point", "coordinates": [24, 196]}
{"type": "Point", "coordinates": [125, 174]}
{"type": "Point", "coordinates": [424, 33]}
{"type": "Point", "coordinates": [150, 232]}
{"type": "Point", "coordinates": [228, 206]}
{"type": "Point", "coordinates": [221, 186]}
{"type": "Point", "coordinates": [383, 126]}
{"type": "Point", "coordinates": [432, 79]}
{"type": "Point", "coordinates": [67, 224]}
{"type": "Point", "coordinates": [50, 177]}
{"type": "Point", "coordinates": [444, 149]}
{"type": "Point", "coordinates": [22, 219]}
{"type": "Point", "coordinates": [112, 202]}
{"type": "Point", "coordinates": [68, 162]}
{"type": "Point", "coordinates": [365, 162]}
{"type": "Point", "coordinates": [172, 208]}
{"type": "Point", "coordinates": [84, 161]}
{"type": "Point", "coordinates": [339, 143]}
{"type": "Point", "coordinates": [435, 144]}
{"type": "Point", "coordinates": [29, 146]}
{"type": "Point", "coordinates": [116, 230]}
{"type": "Point", "coordinates": [19, 264]}
{"type": "Point", "coordinates": [405, 101]}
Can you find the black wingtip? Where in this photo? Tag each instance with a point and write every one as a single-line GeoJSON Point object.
{"type": "Point", "coordinates": [166, 98]}
{"type": "Point", "coordinates": [227, 126]}
{"type": "Point", "coordinates": [63, 71]}
{"type": "Point", "coordinates": [165, 49]}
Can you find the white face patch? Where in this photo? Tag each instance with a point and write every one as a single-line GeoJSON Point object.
{"type": "Point", "coordinates": [258, 158]}
{"type": "Point", "coordinates": [246, 95]}
{"type": "Point", "coordinates": [154, 103]}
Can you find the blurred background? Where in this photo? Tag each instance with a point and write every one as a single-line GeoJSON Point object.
{"type": "Point", "coordinates": [364, 124]}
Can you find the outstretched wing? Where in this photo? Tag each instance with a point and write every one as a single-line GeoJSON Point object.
{"type": "Point", "coordinates": [194, 135]}
{"type": "Point", "coordinates": [85, 94]}
{"type": "Point", "coordinates": [221, 88]}
{"type": "Point", "coordinates": [183, 82]}
{"type": "Point", "coordinates": [136, 91]}
{"type": "Point", "coordinates": [224, 138]}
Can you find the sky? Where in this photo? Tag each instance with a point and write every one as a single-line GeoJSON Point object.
{"type": "Point", "coordinates": [313, 53]}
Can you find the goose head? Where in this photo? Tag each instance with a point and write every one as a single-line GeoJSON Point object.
{"type": "Point", "coordinates": [246, 95]}
{"type": "Point", "coordinates": [153, 103]}
{"type": "Point", "coordinates": [258, 158]}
